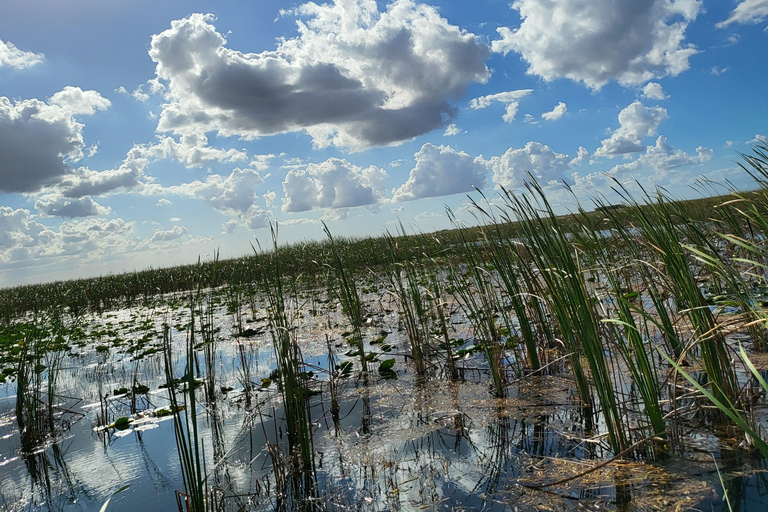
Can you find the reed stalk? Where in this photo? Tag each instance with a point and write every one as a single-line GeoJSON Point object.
{"type": "Point", "coordinates": [548, 247]}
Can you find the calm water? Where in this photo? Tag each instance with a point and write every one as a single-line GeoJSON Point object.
{"type": "Point", "coordinates": [397, 444]}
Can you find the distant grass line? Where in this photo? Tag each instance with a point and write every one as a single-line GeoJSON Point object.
{"type": "Point", "coordinates": [140, 287]}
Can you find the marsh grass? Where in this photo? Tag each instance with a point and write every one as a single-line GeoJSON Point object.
{"type": "Point", "coordinates": [185, 424]}
{"type": "Point", "coordinates": [343, 286]}
{"type": "Point", "coordinates": [284, 310]}
{"type": "Point", "coordinates": [406, 280]}
{"type": "Point", "coordinates": [623, 298]}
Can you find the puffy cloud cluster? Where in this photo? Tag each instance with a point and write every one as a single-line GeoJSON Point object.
{"type": "Point", "coordinates": [39, 141]}
{"type": "Point", "coordinates": [77, 101]}
{"type": "Point", "coordinates": [556, 113]}
{"type": "Point", "coordinates": [512, 169]}
{"type": "Point", "coordinates": [13, 57]}
{"type": "Point", "coordinates": [510, 99]}
{"type": "Point", "coordinates": [747, 12]}
{"type": "Point", "coordinates": [59, 206]}
{"type": "Point", "coordinates": [334, 183]}
{"type": "Point", "coordinates": [653, 91]}
{"type": "Point", "coordinates": [636, 122]}
{"type": "Point", "coordinates": [662, 157]}
{"type": "Point", "coordinates": [160, 236]}
{"type": "Point", "coordinates": [597, 41]}
{"type": "Point", "coordinates": [353, 77]}
{"type": "Point", "coordinates": [441, 171]}
{"type": "Point", "coordinates": [234, 195]}
{"type": "Point", "coordinates": [23, 239]}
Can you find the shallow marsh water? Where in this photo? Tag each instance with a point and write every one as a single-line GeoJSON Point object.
{"type": "Point", "coordinates": [402, 444]}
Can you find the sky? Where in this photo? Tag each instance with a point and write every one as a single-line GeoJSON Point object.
{"type": "Point", "coordinates": [138, 133]}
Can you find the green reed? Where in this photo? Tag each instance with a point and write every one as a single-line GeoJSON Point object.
{"type": "Point", "coordinates": [185, 426]}
{"type": "Point", "coordinates": [546, 244]}
{"type": "Point", "coordinates": [344, 288]}
{"type": "Point", "coordinates": [476, 294]}
{"type": "Point", "coordinates": [659, 226]}
{"type": "Point", "coordinates": [405, 280]}
{"type": "Point", "coordinates": [284, 312]}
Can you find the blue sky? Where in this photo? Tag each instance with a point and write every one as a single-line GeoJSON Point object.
{"type": "Point", "coordinates": [137, 133]}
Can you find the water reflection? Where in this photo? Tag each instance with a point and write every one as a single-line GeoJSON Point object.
{"type": "Point", "coordinates": [404, 444]}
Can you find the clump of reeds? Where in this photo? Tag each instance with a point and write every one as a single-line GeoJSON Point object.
{"type": "Point", "coordinates": [187, 433]}
{"type": "Point", "coordinates": [476, 293]}
{"type": "Point", "coordinates": [406, 281]}
{"type": "Point", "coordinates": [546, 243]}
{"type": "Point", "coordinates": [344, 288]}
{"type": "Point", "coordinates": [284, 312]}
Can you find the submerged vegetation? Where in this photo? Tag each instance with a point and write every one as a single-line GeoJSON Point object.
{"type": "Point", "coordinates": [630, 334]}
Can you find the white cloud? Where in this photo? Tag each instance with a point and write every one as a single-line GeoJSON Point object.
{"type": "Point", "coordinates": [452, 130]}
{"type": "Point", "coordinates": [441, 171]}
{"type": "Point", "coordinates": [174, 233]}
{"type": "Point", "coordinates": [129, 175]}
{"type": "Point", "coordinates": [636, 122]}
{"type": "Point", "coordinates": [596, 41]}
{"type": "Point", "coordinates": [510, 111]}
{"type": "Point", "coordinates": [556, 113]}
{"type": "Point", "coordinates": [653, 91]}
{"type": "Point", "coordinates": [500, 97]}
{"type": "Point", "coordinates": [717, 71]}
{"type": "Point", "coordinates": [192, 150]}
{"type": "Point", "coordinates": [661, 158]}
{"type": "Point", "coordinates": [269, 197]}
{"type": "Point", "coordinates": [333, 183]}
{"type": "Point", "coordinates": [18, 59]}
{"type": "Point", "coordinates": [261, 162]}
{"type": "Point", "coordinates": [59, 206]}
{"type": "Point", "coordinates": [37, 143]}
{"type": "Point", "coordinates": [79, 102]}
{"type": "Point", "coordinates": [509, 99]}
{"type": "Point", "coordinates": [747, 12]}
{"type": "Point", "coordinates": [228, 226]}
{"type": "Point", "coordinates": [24, 241]}
{"type": "Point", "coordinates": [353, 77]}
{"type": "Point", "coordinates": [164, 202]}
{"type": "Point", "coordinates": [581, 156]}
{"type": "Point", "coordinates": [511, 169]}
{"type": "Point", "coordinates": [233, 195]}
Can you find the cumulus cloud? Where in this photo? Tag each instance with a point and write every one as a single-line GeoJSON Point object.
{"type": "Point", "coordinates": [174, 233]}
{"type": "Point", "coordinates": [59, 206]}
{"type": "Point", "coordinates": [596, 41]}
{"type": "Point", "coordinates": [653, 91]}
{"type": "Point", "coordinates": [511, 169]}
{"type": "Point", "coordinates": [636, 122]}
{"type": "Point", "coordinates": [77, 101]}
{"type": "Point", "coordinates": [556, 113]}
{"type": "Point", "coordinates": [500, 97]}
{"type": "Point", "coordinates": [581, 156]}
{"type": "Point", "coordinates": [441, 171]}
{"type": "Point", "coordinates": [508, 98]}
{"type": "Point", "coordinates": [353, 77]}
{"type": "Point", "coordinates": [23, 239]}
{"type": "Point", "coordinates": [192, 150]}
{"type": "Point", "coordinates": [747, 12]}
{"type": "Point", "coordinates": [233, 195]}
{"type": "Point", "coordinates": [452, 130]}
{"type": "Point", "coordinates": [37, 143]}
{"type": "Point", "coordinates": [662, 157]}
{"type": "Point", "coordinates": [334, 183]}
{"type": "Point", "coordinates": [18, 59]}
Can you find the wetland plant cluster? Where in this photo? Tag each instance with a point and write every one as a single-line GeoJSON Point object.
{"type": "Point", "coordinates": [650, 315]}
